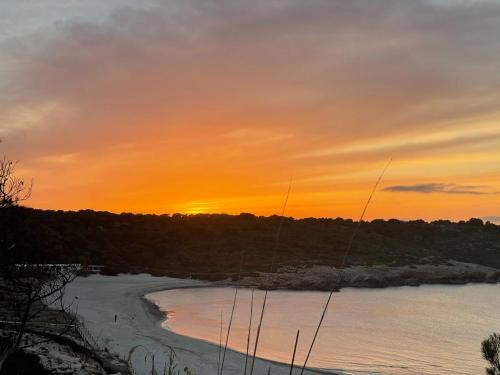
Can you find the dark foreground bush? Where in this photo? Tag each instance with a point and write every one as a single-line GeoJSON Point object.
{"type": "Point", "coordinates": [491, 352]}
{"type": "Point", "coordinates": [21, 363]}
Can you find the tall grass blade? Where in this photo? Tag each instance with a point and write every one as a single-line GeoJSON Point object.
{"type": "Point", "coordinates": [356, 228]}
{"type": "Point", "coordinates": [294, 351]}
{"type": "Point", "coordinates": [275, 250]}
{"type": "Point", "coordinates": [220, 344]}
{"type": "Point", "coordinates": [280, 225]}
{"type": "Point", "coordinates": [258, 332]}
{"type": "Point", "coordinates": [228, 331]}
{"type": "Point", "coordinates": [342, 265]}
{"type": "Point", "coordinates": [317, 331]}
{"type": "Point", "coordinates": [249, 333]}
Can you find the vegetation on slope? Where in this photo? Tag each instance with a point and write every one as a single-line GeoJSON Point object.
{"type": "Point", "coordinates": [209, 246]}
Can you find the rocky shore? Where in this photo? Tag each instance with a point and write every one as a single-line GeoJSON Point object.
{"type": "Point", "coordinates": [327, 278]}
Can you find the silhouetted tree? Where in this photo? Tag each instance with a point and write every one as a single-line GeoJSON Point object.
{"type": "Point", "coordinates": [27, 288]}
{"type": "Point", "coordinates": [13, 189]}
{"type": "Point", "coordinates": [491, 352]}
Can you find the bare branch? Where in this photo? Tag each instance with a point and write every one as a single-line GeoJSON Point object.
{"type": "Point", "coordinates": [13, 189]}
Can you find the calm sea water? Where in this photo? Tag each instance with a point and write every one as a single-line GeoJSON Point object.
{"type": "Point", "coordinates": [425, 330]}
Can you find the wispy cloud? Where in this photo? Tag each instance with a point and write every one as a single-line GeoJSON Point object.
{"type": "Point", "coordinates": [26, 117]}
{"type": "Point", "coordinates": [440, 188]}
{"type": "Point", "coordinates": [256, 136]}
{"type": "Point", "coordinates": [406, 144]}
{"type": "Point", "coordinates": [59, 159]}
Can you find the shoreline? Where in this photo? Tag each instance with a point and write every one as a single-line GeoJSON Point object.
{"type": "Point", "coordinates": [163, 317]}
{"type": "Point", "coordinates": [139, 324]}
{"type": "Point", "coordinates": [140, 321]}
{"type": "Point", "coordinates": [412, 314]}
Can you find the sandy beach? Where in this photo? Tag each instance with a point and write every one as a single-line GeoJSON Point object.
{"type": "Point", "coordinates": [138, 322]}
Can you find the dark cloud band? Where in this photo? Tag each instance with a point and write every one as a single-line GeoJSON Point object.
{"type": "Point", "coordinates": [439, 188]}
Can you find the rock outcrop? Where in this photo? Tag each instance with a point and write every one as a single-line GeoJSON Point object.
{"type": "Point", "coordinates": [328, 278]}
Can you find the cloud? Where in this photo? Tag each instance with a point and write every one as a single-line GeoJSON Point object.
{"type": "Point", "coordinates": [30, 117]}
{"type": "Point", "coordinates": [439, 188]}
{"type": "Point", "coordinates": [256, 136]}
{"type": "Point", "coordinates": [407, 145]}
{"type": "Point", "coordinates": [59, 159]}
{"type": "Point", "coordinates": [226, 91]}
{"type": "Point", "coordinates": [331, 71]}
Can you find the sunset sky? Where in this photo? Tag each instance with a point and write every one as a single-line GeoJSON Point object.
{"type": "Point", "coordinates": [213, 106]}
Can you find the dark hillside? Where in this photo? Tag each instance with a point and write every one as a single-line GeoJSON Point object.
{"type": "Point", "coordinates": [211, 245]}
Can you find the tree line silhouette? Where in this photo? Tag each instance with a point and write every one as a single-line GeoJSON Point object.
{"type": "Point", "coordinates": [211, 246]}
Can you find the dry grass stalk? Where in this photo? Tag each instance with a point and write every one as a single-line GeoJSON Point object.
{"type": "Point", "coordinates": [294, 351]}
{"type": "Point", "coordinates": [220, 344]}
{"type": "Point", "coordinates": [228, 331]}
{"type": "Point", "coordinates": [258, 332]}
{"type": "Point", "coordinates": [275, 250]}
{"type": "Point", "coordinates": [249, 332]}
{"type": "Point", "coordinates": [278, 231]}
{"type": "Point", "coordinates": [342, 265]}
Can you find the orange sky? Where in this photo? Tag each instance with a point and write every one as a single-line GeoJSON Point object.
{"type": "Point", "coordinates": [213, 106]}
